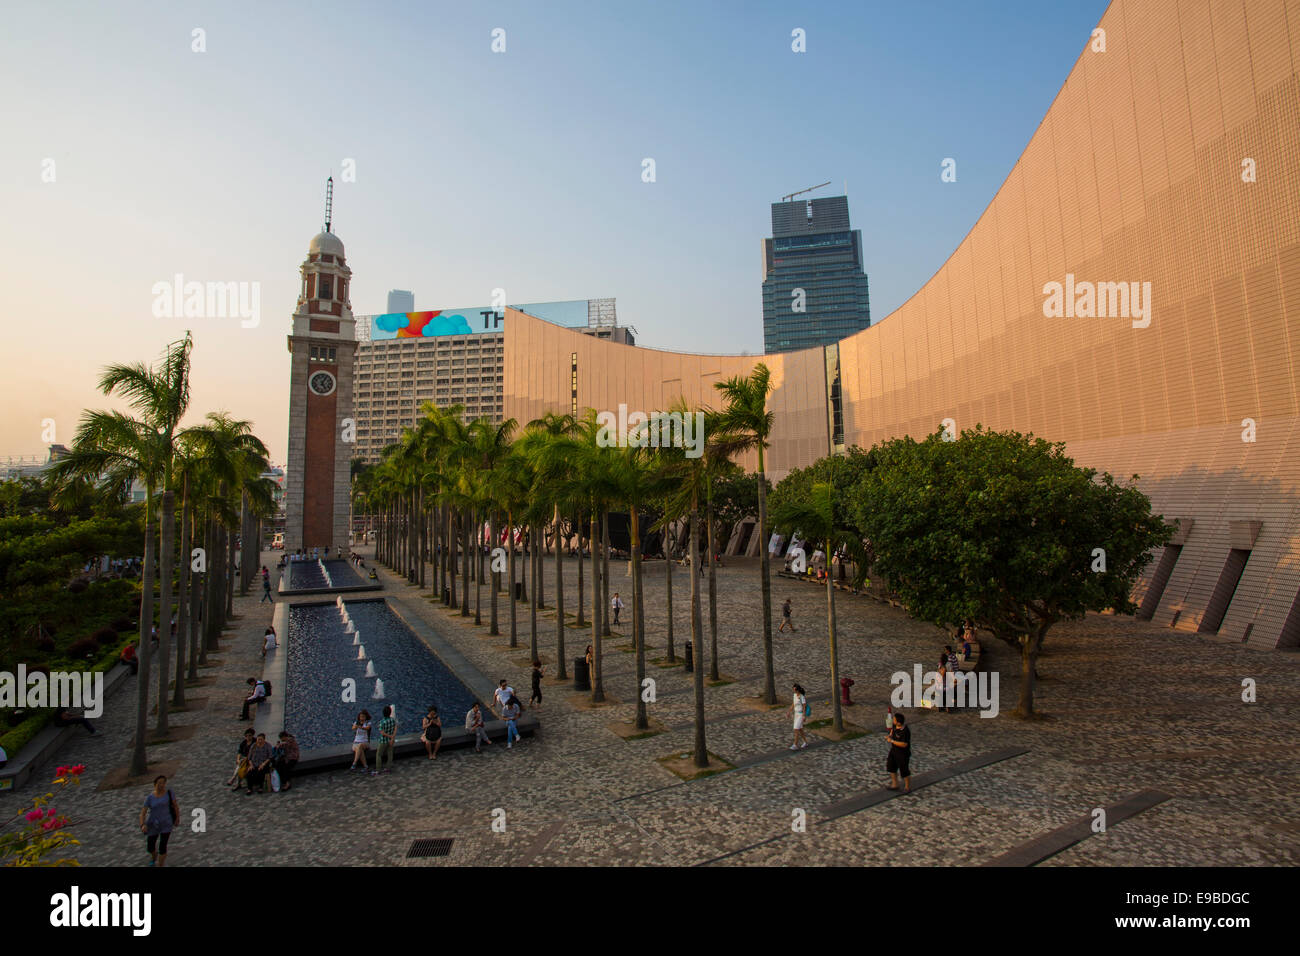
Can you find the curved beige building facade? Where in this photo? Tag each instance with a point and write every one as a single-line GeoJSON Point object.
{"type": "Point", "coordinates": [1133, 289]}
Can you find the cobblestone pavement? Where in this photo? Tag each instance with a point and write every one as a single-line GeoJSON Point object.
{"type": "Point", "coordinates": [1129, 707]}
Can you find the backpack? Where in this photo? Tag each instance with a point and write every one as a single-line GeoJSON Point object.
{"type": "Point", "coordinates": [807, 708]}
{"type": "Point", "coordinates": [266, 684]}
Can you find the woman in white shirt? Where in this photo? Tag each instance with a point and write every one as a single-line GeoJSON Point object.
{"type": "Point", "coordinates": [799, 708]}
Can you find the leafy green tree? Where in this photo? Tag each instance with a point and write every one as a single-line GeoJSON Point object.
{"type": "Point", "coordinates": [1004, 529]}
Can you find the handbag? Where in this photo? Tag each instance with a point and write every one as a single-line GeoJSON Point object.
{"type": "Point", "coordinates": [275, 781]}
{"type": "Point", "coordinates": [241, 769]}
{"type": "Point", "coordinates": [171, 805]}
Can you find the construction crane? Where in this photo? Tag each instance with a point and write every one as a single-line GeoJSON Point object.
{"type": "Point", "coordinates": [802, 191]}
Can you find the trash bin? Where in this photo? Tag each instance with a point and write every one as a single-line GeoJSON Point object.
{"type": "Point", "coordinates": [446, 595]}
{"type": "Point", "coordinates": [519, 590]}
{"type": "Point", "coordinates": [581, 675]}
{"type": "Point", "coordinates": [690, 657]}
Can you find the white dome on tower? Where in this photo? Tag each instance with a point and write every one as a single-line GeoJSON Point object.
{"type": "Point", "coordinates": [327, 243]}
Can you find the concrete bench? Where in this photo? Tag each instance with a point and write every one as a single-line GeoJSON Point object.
{"type": "Point", "coordinates": [42, 748]}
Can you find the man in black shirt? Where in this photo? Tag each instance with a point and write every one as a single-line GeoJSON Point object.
{"type": "Point", "coordinates": [900, 752]}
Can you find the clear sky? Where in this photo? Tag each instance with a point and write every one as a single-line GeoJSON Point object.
{"type": "Point", "coordinates": [475, 170]}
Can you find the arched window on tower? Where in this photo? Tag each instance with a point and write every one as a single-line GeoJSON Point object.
{"type": "Point", "coordinates": [325, 290]}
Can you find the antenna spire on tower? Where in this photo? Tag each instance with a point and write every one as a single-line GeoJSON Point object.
{"type": "Point", "coordinates": [329, 203]}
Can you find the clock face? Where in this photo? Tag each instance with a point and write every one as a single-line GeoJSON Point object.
{"type": "Point", "coordinates": [322, 383]}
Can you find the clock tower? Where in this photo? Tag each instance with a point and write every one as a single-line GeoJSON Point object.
{"type": "Point", "coordinates": [321, 426]}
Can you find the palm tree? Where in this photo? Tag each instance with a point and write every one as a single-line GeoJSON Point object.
{"type": "Point", "coordinates": [690, 477]}
{"type": "Point", "coordinates": [117, 449]}
{"type": "Point", "coordinates": [554, 452]}
{"type": "Point", "coordinates": [638, 475]}
{"type": "Point", "coordinates": [748, 425]}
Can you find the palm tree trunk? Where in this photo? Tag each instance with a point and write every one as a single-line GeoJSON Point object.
{"type": "Point", "coordinates": [166, 561]}
{"type": "Point", "coordinates": [478, 568]}
{"type": "Point", "coordinates": [559, 589]}
{"type": "Point", "coordinates": [139, 760]}
{"type": "Point", "coordinates": [769, 674]}
{"type": "Point", "coordinates": [597, 682]}
{"type": "Point", "coordinates": [495, 534]}
{"type": "Point", "coordinates": [182, 601]}
{"type": "Point", "coordinates": [604, 567]}
{"type": "Point", "coordinates": [250, 550]}
{"type": "Point", "coordinates": [638, 621]}
{"type": "Point", "coordinates": [196, 596]}
{"type": "Point", "coordinates": [230, 575]}
{"type": "Point", "coordinates": [464, 566]}
{"type": "Point", "coordinates": [701, 750]}
{"type": "Point", "coordinates": [836, 708]}
{"type": "Point", "coordinates": [422, 543]}
{"type": "Point", "coordinates": [581, 561]}
{"type": "Point", "coordinates": [534, 560]}
{"type": "Point", "coordinates": [539, 592]}
{"type": "Point", "coordinates": [713, 595]}
{"type": "Point", "coordinates": [510, 545]}
{"type": "Point", "coordinates": [453, 537]}
{"type": "Point", "coordinates": [668, 594]}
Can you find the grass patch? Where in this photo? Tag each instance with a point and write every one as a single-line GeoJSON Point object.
{"type": "Point", "coordinates": [665, 662]}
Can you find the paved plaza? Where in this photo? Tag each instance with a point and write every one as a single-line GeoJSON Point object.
{"type": "Point", "coordinates": [1129, 708]}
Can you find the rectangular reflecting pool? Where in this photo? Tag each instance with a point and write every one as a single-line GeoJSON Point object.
{"type": "Point", "coordinates": [398, 669]}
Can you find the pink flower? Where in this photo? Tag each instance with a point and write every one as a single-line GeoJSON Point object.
{"type": "Point", "coordinates": [33, 815]}
{"type": "Point", "coordinates": [78, 770]}
{"type": "Point", "coordinates": [49, 824]}
{"type": "Point", "coordinates": [49, 812]}
{"type": "Point", "coordinates": [61, 771]}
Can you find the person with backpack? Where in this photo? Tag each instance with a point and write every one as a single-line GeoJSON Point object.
{"type": "Point", "coordinates": [158, 816]}
{"type": "Point", "coordinates": [360, 741]}
{"type": "Point", "coordinates": [261, 690]}
{"type": "Point", "coordinates": [801, 710]}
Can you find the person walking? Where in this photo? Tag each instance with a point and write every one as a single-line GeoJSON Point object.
{"type": "Point", "coordinates": [474, 723]}
{"type": "Point", "coordinates": [785, 617]}
{"type": "Point", "coordinates": [431, 732]}
{"type": "Point", "coordinates": [900, 754]}
{"type": "Point", "coordinates": [800, 709]}
{"type": "Point", "coordinates": [266, 586]}
{"type": "Point", "coordinates": [387, 741]}
{"type": "Point", "coordinates": [616, 605]}
{"type": "Point", "coordinates": [510, 713]}
{"type": "Point", "coordinates": [360, 741]}
{"type": "Point", "coordinates": [538, 672]}
{"type": "Point", "coordinates": [159, 814]}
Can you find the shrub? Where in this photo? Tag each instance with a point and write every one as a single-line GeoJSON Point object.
{"type": "Point", "coordinates": [78, 585]}
{"type": "Point", "coordinates": [105, 635]}
{"type": "Point", "coordinates": [45, 645]}
{"type": "Point", "coordinates": [84, 649]}
{"type": "Point", "coordinates": [122, 624]}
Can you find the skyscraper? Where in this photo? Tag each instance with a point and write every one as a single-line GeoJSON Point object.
{"type": "Point", "coordinates": [814, 281]}
{"type": "Point", "coordinates": [400, 300]}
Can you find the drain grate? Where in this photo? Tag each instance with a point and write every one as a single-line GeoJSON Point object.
{"type": "Point", "coordinates": [426, 848]}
